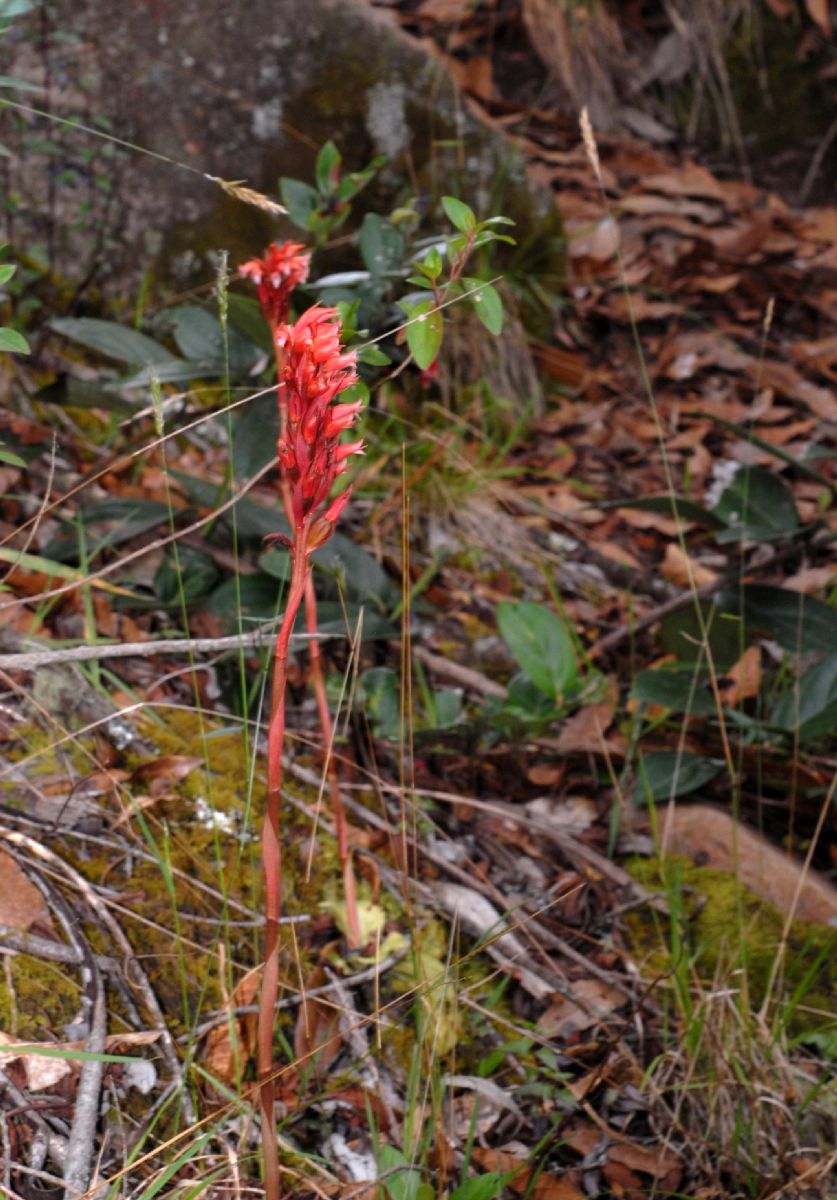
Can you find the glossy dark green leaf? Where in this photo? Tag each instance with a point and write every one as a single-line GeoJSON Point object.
{"type": "Point", "coordinates": [665, 774]}
{"type": "Point", "coordinates": [675, 690]}
{"type": "Point", "coordinates": [185, 576]}
{"type": "Point", "coordinates": [245, 315]}
{"type": "Point", "coordinates": [300, 199]}
{"type": "Point", "coordinates": [114, 341]}
{"type": "Point", "coordinates": [255, 433]}
{"type": "Point", "coordinates": [682, 634]}
{"type": "Point", "coordinates": [757, 506]}
{"type": "Point", "coordinates": [798, 623]}
{"type": "Point", "coordinates": [811, 708]}
{"type": "Point", "coordinates": [381, 246]}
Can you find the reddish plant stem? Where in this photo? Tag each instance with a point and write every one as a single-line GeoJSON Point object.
{"type": "Point", "coordinates": [354, 936]}
{"type": "Point", "coordinates": [272, 866]}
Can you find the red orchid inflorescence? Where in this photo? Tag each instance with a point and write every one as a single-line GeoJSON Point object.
{"type": "Point", "coordinates": [315, 370]}
{"type": "Point", "coordinates": [275, 276]}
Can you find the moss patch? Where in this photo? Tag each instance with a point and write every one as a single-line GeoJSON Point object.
{"type": "Point", "coordinates": [720, 929]}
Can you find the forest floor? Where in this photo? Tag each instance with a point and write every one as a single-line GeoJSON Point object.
{"type": "Point", "coordinates": [598, 912]}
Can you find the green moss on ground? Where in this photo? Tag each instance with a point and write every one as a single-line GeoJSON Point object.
{"type": "Point", "coordinates": [728, 932]}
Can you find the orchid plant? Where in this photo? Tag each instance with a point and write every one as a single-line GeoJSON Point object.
{"type": "Point", "coordinates": [275, 276]}
{"type": "Point", "coordinates": [313, 371]}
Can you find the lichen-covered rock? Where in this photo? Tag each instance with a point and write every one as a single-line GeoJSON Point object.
{"type": "Point", "coordinates": [250, 92]}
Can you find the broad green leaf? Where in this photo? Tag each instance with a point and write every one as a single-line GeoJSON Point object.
{"type": "Point", "coordinates": [246, 316]}
{"type": "Point", "coordinates": [22, 85]}
{"type": "Point", "coordinates": [373, 356]}
{"type": "Point", "coordinates": [185, 576]}
{"type": "Point", "coordinates": [83, 393]}
{"type": "Point", "coordinates": [757, 506]}
{"type": "Point", "coordinates": [10, 458]}
{"type": "Point", "coordinates": [38, 1050]}
{"type": "Point", "coordinates": [675, 690]}
{"type": "Point", "coordinates": [681, 634]}
{"type": "Point", "coordinates": [798, 623]}
{"type": "Point", "coordinates": [300, 199]}
{"type": "Point", "coordinates": [539, 641]}
{"type": "Point", "coordinates": [350, 185]}
{"type": "Point", "coordinates": [459, 214]}
{"type": "Point", "coordinates": [403, 1184]}
{"type": "Point", "coordinates": [112, 340]}
{"type": "Point", "coordinates": [665, 774]}
{"type": "Point", "coordinates": [197, 333]}
{"type": "Point", "coordinates": [327, 167]}
{"type": "Point", "coordinates": [382, 700]}
{"type": "Point", "coordinates": [255, 433]}
{"type": "Point", "coordinates": [487, 304]}
{"type": "Point", "coordinates": [381, 246]}
{"type": "Point", "coordinates": [276, 563]}
{"type": "Point", "coordinates": [812, 707]}
{"type": "Point", "coordinates": [481, 1187]}
{"type": "Point", "coordinates": [13, 342]}
{"type": "Point", "coordinates": [7, 270]}
{"type": "Point", "coordinates": [424, 333]}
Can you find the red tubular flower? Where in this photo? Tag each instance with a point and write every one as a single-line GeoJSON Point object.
{"type": "Point", "coordinates": [275, 276]}
{"type": "Point", "coordinates": [315, 370]}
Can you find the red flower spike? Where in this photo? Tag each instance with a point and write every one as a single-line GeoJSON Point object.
{"type": "Point", "coordinates": [275, 276]}
{"type": "Point", "coordinates": [315, 370]}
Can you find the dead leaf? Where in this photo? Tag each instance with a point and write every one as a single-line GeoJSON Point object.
{"type": "Point", "coordinates": [744, 678]}
{"type": "Point", "coordinates": [663, 1166]}
{"type": "Point", "coordinates": [229, 1046]}
{"type": "Point", "coordinates": [317, 1037]}
{"type": "Point", "coordinates": [161, 772]}
{"type": "Point", "coordinates": [683, 570]}
{"type": "Point", "coordinates": [563, 1018]}
{"type": "Point", "coordinates": [21, 904]}
{"type": "Point", "coordinates": [819, 14]}
{"type": "Point", "coordinates": [584, 731]}
{"type": "Point", "coordinates": [811, 580]}
{"type": "Point", "coordinates": [547, 1187]}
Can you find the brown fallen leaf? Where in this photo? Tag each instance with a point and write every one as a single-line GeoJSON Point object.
{"type": "Point", "coordinates": [229, 1046]}
{"type": "Point", "coordinates": [317, 1037]}
{"type": "Point", "coordinates": [663, 1166]}
{"type": "Point", "coordinates": [547, 1187]}
{"type": "Point", "coordinates": [683, 570]}
{"type": "Point", "coordinates": [21, 904]}
{"type": "Point", "coordinates": [744, 678]}
{"type": "Point", "coordinates": [819, 14]}
{"type": "Point", "coordinates": [158, 774]}
{"type": "Point", "coordinates": [563, 1018]}
{"type": "Point", "coordinates": [584, 732]}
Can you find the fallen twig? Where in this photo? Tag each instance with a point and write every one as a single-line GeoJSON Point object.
{"type": "Point", "coordinates": [32, 660]}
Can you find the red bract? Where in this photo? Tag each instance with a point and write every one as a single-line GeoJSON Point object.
{"type": "Point", "coordinates": [275, 276]}
{"type": "Point", "coordinates": [315, 370]}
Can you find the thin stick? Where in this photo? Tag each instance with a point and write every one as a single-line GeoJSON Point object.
{"type": "Point", "coordinates": [34, 659]}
